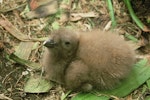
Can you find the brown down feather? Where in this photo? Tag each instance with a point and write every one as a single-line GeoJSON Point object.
{"type": "Point", "coordinates": [87, 60]}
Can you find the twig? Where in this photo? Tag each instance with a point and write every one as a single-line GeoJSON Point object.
{"type": "Point", "coordinates": [3, 97]}
{"type": "Point", "coordinates": [8, 75]}
{"type": "Point", "coordinates": [5, 11]}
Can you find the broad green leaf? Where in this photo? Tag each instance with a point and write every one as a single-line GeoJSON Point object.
{"type": "Point", "coordinates": [31, 65]}
{"type": "Point", "coordinates": [23, 53]}
{"type": "Point", "coordinates": [148, 83]}
{"type": "Point", "coordinates": [37, 85]}
{"type": "Point", "coordinates": [139, 74]}
{"type": "Point", "coordinates": [90, 96]}
{"type": "Point", "coordinates": [147, 98]}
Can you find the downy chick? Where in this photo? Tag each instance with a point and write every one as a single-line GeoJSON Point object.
{"type": "Point", "coordinates": [88, 60]}
{"type": "Point", "coordinates": [60, 49]}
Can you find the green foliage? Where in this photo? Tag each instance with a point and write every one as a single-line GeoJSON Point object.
{"type": "Point", "coordinates": [55, 25]}
{"type": "Point", "coordinates": [139, 74]}
{"type": "Point", "coordinates": [131, 37]}
{"type": "Point", "coordinates": [148, 83]}
{"type": "Point", "coordinates": [90, 96]}
{"type": "Point", "coordinates": [37, 85]}
{"type": "Point", "coordinates": [134, 17]}
{"type": "Point", "coordinates": [64, 95]}
{"type": "Point", "coordinates": [32, 65]}
{"type": "Point", "coordinates": [111, 12]}
{"type": "Point", "coordinates": [148, 20]}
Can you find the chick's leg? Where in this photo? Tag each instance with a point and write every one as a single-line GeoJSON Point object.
{"type": "Point", "coordinates": [76, 76]}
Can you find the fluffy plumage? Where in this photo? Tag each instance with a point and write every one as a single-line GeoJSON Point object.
{"type": "Point", "coordinates": [87, 60]}
{"type": "Point", "coordinates": [61, 48]}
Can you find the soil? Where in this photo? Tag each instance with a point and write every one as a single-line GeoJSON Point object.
{"type": "Point", "coordinates": [12, 77]}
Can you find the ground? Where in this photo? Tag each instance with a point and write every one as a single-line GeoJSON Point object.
{"type": "Point", "coordinates": [84, 15]}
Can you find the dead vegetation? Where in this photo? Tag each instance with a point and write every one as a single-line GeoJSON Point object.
{"type": "Point", "coordinates": [19, 31]}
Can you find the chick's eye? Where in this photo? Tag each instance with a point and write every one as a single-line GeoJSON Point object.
{"type": "Point", "coordinates": [67, 43]}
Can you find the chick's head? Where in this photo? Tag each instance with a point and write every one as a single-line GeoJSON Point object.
{"type": "Point", "coordinates": [63, 42]}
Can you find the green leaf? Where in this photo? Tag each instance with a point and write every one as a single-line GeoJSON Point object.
{"type": "Point", "coordinates": [139, 74]}
{"type": "Point", "coordinates": [23, 53]}
{"type": "Point", "coordinates": [148, 20]}
{"type": "Point", "coordinates": [66, 1]}
{"type": "Point", "coordinates": [111, 13]}
{"type": "Point", "coordinates": [36, 45]}
{"type": "Point", "coordinates": [148, 83]}
{"type": "Point", "coordinates": [131, 37]}
{"type": "Point", "coordinates": [37, 85]}
{"type": "Point", "coordinates": [147, 98]}
{"type": "Point", "coordinates": [64, 95]}
{"type": "Point", "coordinates": [134, 17]}
{"type": "Point", "coordinates": [90, 96]}
{"type": "Point", "coordinates": [55, 25]}
{"type": "Point", "coordinates": [32, 65]}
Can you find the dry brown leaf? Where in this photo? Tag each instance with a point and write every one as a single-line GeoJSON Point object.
{"type": "Point", "coordinates": [13, 30]}
{"type": "Point", "coordinates": [43, 9]}
{"type": "Point", "coordinates": [78, 16]}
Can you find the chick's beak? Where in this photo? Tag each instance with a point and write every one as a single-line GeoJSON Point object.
{"type": "Point", "coordinates": [49, 43]}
